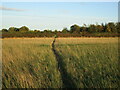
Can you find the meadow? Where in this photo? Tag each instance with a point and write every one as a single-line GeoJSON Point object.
{"type": "Point", "coordinates": [90, 62]}
{"type": "Point", "coordinates": [29, 63]}
{"type": "Point", "coordinates": [86, 62]}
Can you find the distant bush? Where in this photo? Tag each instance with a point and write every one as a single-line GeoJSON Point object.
{"type": "Point", "coordinates": [108, 30]}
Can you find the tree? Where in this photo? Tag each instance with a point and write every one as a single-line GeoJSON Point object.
{"type": "Point", "coordinates": [4, 30]}
{"type": "Point", "coordinates": [24, 29]}
{"type": "Point", "coordinates": [83, 29]}
{"type": "Point", "coordinates": [99, 28]}
{"type": "Point", "coordinates": [118, 27]}
{"type": "Point", "coordinates": [16, 29]}
{"type": "Point", "coordinates": [11, 29]}
{"type": "Point", "coordinates": [65, 30]}
{"type": "Point", "coordinates": [55, 31]}
{"type": "Point", "coordinates": [36, 31]}
{"type": "Point", "coordinates": [92, 28]}
{"type": "Point", "coordinates": [75, 29]}
{"type": "Point", "coordinates": [112, 27]}
{"type": "Point", "coordinates": [108, 29]}
{"type": "Point", "coordinates": [103, 27]}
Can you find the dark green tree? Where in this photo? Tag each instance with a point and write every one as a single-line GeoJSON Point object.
{"type": "Point", "coordinates": [92, 28]}
{"type": "Point", "coordinates": [36, 30]}
{"type": "Point", "coordinates": [108, 29]}
{"type": "Point", "coordinates": [4, 30]}
{"type": "Point", "coordinates": [24, 29]}
{"type": "Point", "coordinates": [65, 30]}
{"type": "Point", "coordinates": [83, 29]}
{"type": "Point", "coordinates": [55, 31]}
{"type": "Point", "coordinates": [11, 29]}
{"type": "Point", "coordinates": [112, 27]}
{"type": "Point", "coordinates": [99, 28]}
{"type": "Point", "coordinates": [118, 27]}
{"type": "Point", "coordinates": [75, 29]}
{"type": "Point", "coordinates": [16, 29]}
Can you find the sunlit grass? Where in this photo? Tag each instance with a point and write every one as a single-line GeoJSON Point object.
{"type": "Point", "coordinates": [29, 63]}
{"type": "Point", "coordinates": [84, 40]}
{"type": "Point", "coordinates": [91, 62]}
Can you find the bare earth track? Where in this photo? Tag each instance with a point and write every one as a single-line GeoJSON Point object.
{"type": "Point", "coordinates": [66, 78]}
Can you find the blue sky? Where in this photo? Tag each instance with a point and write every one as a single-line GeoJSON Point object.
{"type": "Point", "coordinates": [57, 15]}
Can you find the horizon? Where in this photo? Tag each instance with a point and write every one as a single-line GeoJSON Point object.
{"type": "Point", "coordinates": [56, 15]}
{"type": "Point", "coordinates": [84, 25]}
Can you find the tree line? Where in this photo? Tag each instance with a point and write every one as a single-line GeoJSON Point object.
{"type": "Point", "coordinates": [93, 30]}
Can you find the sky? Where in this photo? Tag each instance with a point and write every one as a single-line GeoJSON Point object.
{"type": "Point", "coordinates": [56, 15]}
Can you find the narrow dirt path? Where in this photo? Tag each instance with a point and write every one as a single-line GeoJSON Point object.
{"type": "Point", "coordinates": [67, 80]}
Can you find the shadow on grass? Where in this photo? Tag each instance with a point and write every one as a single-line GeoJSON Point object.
{"type": "Point", "coordinates": [67, 80]}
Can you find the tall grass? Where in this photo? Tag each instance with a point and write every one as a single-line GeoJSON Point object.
{"type": "Point", "coordinates": [91, 62]}
{"type": "Point", "coordinates": [29, 63]}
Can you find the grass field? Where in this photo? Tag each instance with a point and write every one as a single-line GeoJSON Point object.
{"type": "Point", "coordinates": [90, 62]}
{"type": "Point", "coordinates": [31, 63]}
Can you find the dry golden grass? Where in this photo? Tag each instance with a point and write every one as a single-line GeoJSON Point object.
{"type": "Point", "coordinates": [90, 62]}
{"type": "Point", "coordinates": [84, 40]}
{"type": "Point", "coordinates": [29, 63]}
{"type": "Point", "coordinates": [29, 40]}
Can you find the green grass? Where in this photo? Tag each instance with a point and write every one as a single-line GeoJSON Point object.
{"type": "Point", "coordinates": [31, 63]}
{"type": "Point", "coordinates": [90, 64]}
{"type": "Point", "coordinates": [27, 63]}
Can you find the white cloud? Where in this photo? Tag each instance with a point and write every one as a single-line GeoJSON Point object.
{"type": "Point", "coordinates": [10, 9]}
